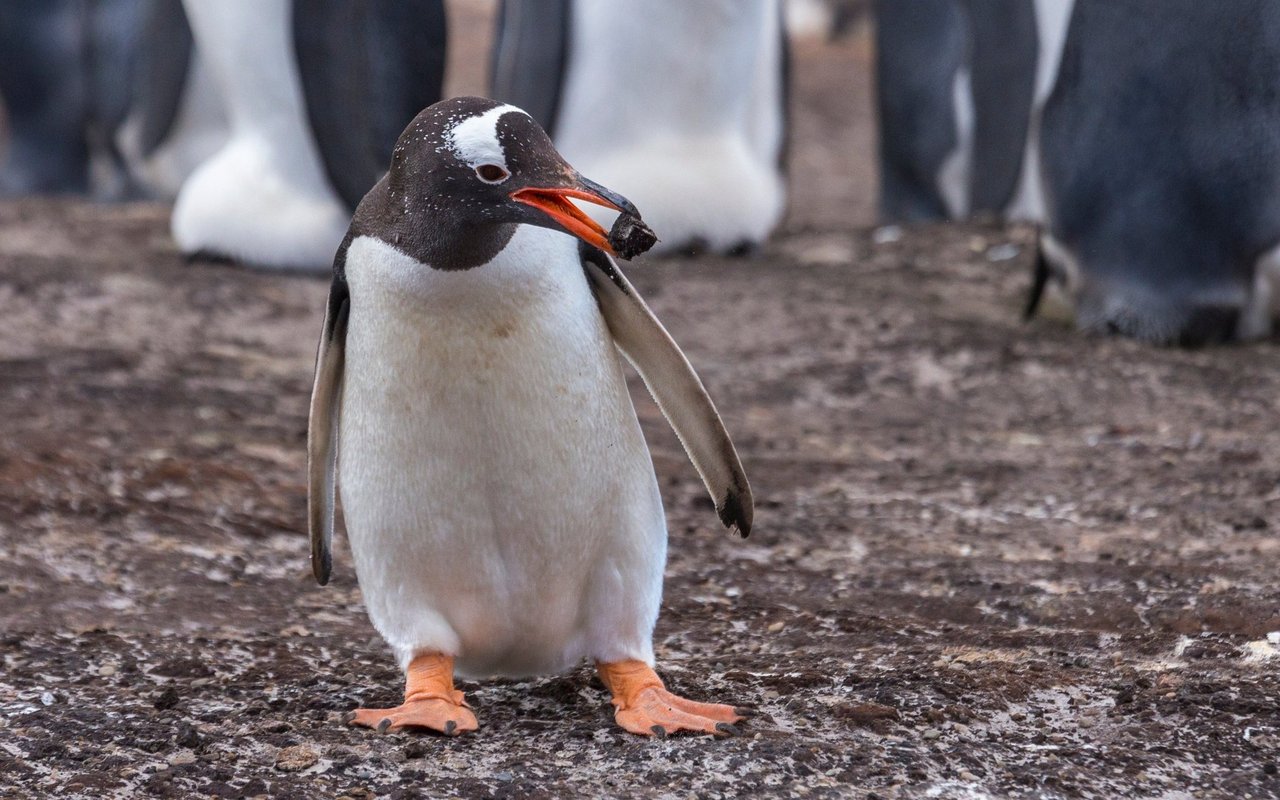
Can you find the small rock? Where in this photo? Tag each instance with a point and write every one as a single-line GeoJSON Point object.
{"type": "Point", "coordinates": [887, 234]}
{"type": "Point", "coordinates": [47, 699]}
{"type": "Point", "coordinates": [182, 757]}
{"type": "Point", "coordinates": [296, 758]}
{"type": "Point", "coordinates": [930, 734]}
{"type": "Point", "coordinates": [968, 776]}
{"type": "Point", "coordinates": [106, 671]}
{"type": "Point", "coordinates": [503, 776]}
{"type": "Point", "coordinates": [167, 699]}
{"type": "Point", "coordinates": [630, 236]}
{"type": "Point", "coordinates": [777, 626]}
{"type": "Point", "coordinates": [867, 714]}
{"type": "Point", "coordinates": [415, 750]}
{"type": "Point", "coordinates": [1003, 252]}
{"type": "Point", "coordinates": [188, 736]}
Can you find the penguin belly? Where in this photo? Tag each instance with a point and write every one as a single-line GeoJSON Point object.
{"type": "Point", "coordinates": [499, 496]}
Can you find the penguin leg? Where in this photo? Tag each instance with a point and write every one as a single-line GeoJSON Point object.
{"type": "Point", "coordinates": [430, 701]}
{"type": "Point", "coordinates": [644, 705]}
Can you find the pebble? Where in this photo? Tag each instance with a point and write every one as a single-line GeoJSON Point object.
{"type": "Point", "coordinates": [296, 758]}
{"type": "Point", "coordinates": [777, 626]}
{"type": "Point", "coordinates": [106, 671]}
{"type": "Point", "coordinates": [886, 235]}
{"type": "Point", "coordinates": [930, 734]}
{"type": "Point", "coordinates": [968, 776]}
{"type": "Point", "coordinates": [182, 757]}
{"type": "Point", "coordinates": [1003, 252]}
{"type": "Point", "coordinates": [47, 698]}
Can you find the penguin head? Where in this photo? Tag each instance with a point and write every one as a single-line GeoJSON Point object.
{"type": "Point", "coordinates": [475, 167]}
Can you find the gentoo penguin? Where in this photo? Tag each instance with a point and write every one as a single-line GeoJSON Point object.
{"type": "Point", "coordinates": [469, 399]}
{"type": "Point", "coordinates": [696, 92]}
{"type": "Point", "coordinates": [954, 87]}
{"type": "Point", "coordinates": [1159, 153]}
{"type": "Point", "coordinates": [315, 93]}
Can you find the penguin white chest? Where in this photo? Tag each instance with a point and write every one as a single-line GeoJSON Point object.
{"type": "Point", "coordinates": [500, 500]}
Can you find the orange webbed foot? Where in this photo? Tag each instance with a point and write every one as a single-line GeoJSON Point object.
{"type": "Point", "coordinates": [435, 713]}
{"type": "Point", "coordinates": [644, 705]}
{"type": "Point", "coordinates": [430, 702]}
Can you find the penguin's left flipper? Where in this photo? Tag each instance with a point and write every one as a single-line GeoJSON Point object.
{"type": "Point", "coordinates": [674, 385]}
{"type": "Point", "coordinates": [322, 427]}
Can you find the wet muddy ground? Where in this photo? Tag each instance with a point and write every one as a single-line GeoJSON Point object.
{"type": "Point", "coordinates": [991, 559]}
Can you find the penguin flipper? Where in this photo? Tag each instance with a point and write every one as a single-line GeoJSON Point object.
{"type": "Point", "coordinates": [322, 429]}
{"type": "Point", "coordinates": [674, 385]}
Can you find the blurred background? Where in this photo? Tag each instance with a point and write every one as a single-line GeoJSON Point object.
{"type": "Point", "coordinates": [992, 557]}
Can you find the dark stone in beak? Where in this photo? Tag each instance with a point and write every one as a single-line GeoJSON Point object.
{"type": "Point", "coordinates": [630, 237]}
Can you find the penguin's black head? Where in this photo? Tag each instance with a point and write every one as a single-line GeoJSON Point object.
{"type": "Point", "coordinates": [464, 173]}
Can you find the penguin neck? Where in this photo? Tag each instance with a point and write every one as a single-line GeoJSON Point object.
{"type": "Point", "coordinates": [436, 236]}
{"type": "Point", "coordinates": [446, 243]}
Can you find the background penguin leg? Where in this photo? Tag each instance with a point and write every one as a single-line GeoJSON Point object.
{"type": "Point", "coordinates": [42, 80]}
{"type": "Point", "coordinates": [430, 701]}
{"type": "Point", "coordinates": [647, 708]}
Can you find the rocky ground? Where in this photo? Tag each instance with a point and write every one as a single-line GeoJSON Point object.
{"type": "Point", "coordinates": [991, 559]}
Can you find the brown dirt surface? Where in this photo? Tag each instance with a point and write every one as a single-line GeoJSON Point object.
{"type": "Point", "coordinates": [990, 559]}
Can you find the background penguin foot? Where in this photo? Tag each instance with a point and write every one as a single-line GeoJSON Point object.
{"type": "Point", "coordinates": [644, 705]}
{"type": "Point", "coordinates": [430, 701]}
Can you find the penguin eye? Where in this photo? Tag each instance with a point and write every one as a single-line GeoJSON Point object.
{"type": "Point", "coordinates": [492, 173]}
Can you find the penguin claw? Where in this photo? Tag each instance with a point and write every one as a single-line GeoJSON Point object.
{"type": "Point", "coordinates": [728, 729]}
{"type": "Point", "coordinates": [386, 723]}
{"type": "Point", "coordinates": [659, 731]}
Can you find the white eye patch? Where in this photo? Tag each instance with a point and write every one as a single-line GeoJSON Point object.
{"type": "Point", "coordinates": [475, 139]}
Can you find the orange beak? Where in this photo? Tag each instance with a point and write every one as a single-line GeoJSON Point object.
{"type": "Point", "coordinates": [554, 202]}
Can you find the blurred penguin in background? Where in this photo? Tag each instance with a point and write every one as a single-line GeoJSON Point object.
{"type": "Point", "coordinates": [176, 119]}
{"type": "Point", "coordinates": [956, 83]}
{"type": "Point", "coordinates": [66, 71]}
{"type": "Point", "coordinates": [679, 105]}
{"type": "Point", "coordinates": [315, 92]}
{"type": "Point", "coordinates": [1159, 162]}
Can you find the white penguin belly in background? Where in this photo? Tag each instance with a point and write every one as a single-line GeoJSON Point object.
{"type": "Point", "coordinates": [678, 105]}
{"type": "Point", "coordinates": [499, 495]}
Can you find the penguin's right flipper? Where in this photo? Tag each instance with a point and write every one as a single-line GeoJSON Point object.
{"type": "Point", "coordinates": [322, 427]}
{"type": "Point", "coordinates": [674, 385]}
{"type": "Point", "coordinates": [531, 57]}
